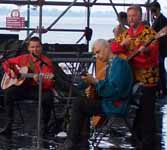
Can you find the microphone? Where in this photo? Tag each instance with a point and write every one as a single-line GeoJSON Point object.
{"type": "Point", "coordinates": [1, 56]}
{"type": "Point", "coordinates": [39, 59]}
{"type": "Point", "coordinates": [88, 33]}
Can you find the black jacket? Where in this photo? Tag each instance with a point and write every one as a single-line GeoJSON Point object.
{"type": "Point", "coordinates": [158, 24]}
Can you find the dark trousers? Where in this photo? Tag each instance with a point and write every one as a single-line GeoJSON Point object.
{"type": "Point", "coordinates": [82, 110]}
{"type": "Point", "coordinates": [144, 123]}
{"type": "Point", "coordinates": [19, 93]}
{"type": "Point", "coordinates": [162, 78]}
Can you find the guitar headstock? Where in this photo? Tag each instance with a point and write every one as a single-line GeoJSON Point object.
{"type": "Point", "coordinates": [161, 33]}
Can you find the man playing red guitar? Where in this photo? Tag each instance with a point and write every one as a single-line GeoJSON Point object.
{"type": "Point", "coordinates": [36, 62]}
{"type": "Point", "coordinates": [145, 68]}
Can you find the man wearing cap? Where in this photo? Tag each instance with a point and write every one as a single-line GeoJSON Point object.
{"type": "Point", "coordinates": [122, 26]}
{"type": "Point", "coordinates": [160, 21]}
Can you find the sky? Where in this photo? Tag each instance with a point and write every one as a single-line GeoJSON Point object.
{"type": "Point", "coordinates": [96, 8]}
{"type": "Point", "coordinates": [162, 2]}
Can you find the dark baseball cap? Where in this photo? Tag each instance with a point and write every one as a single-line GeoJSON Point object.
{"type": "Point", "coordinates": [154, 6]}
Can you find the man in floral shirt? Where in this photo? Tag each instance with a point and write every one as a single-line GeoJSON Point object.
{"type": "Point", "coordinates": [145, 69]}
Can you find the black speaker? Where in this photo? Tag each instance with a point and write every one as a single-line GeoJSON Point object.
{"type": "Point", "coordinates": [9, 41]}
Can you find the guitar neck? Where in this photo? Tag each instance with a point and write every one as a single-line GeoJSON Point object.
{"type": "Point", "coordinates": [31, 75]}
{"type": "Point", "coordinates": [137, 51]}
{"type": "Point", "coordinates": [27, 75]}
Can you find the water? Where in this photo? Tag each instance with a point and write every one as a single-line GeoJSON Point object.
{"type": "Point", "coordinates": [102, 28]}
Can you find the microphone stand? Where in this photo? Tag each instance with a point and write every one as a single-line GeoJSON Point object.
{"type": "Point", "coordinates": [42, 63]}
{"type": "Point", "coordinates": [39, 59]}
{"type": "Point", "coordinates": [39, 106]}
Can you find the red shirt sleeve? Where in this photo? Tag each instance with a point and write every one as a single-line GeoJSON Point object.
{"type": "Point", "coordinates": [10, 63]}
{"type": "Point", "coordinates": [116, 48]}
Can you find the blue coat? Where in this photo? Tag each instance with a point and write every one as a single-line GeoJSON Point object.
{"type": "Point", "coordinates": [117, 85]}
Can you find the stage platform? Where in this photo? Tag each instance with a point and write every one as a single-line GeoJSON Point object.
{"type": "Point", "coordinates": [25, 138]}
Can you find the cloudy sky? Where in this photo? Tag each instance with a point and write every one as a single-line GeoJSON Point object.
{"type": "Point", "coordinates": [162, 2]}
{"type": "Point", "coordinates": [99, 8]}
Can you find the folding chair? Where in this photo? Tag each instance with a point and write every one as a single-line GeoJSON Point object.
{"type": "Point", "coordinates": [132, 103]}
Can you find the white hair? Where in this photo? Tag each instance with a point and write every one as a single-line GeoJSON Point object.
{"type": "Point", "coordinates": [100, 42]}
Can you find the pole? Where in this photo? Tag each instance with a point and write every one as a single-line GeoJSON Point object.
{"type": "Point", "coordinates": [28, 17]}
{"type": "Point", "coordinates": [39, 110]}
{"type": "Point", "coordinates": [40, 21]}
